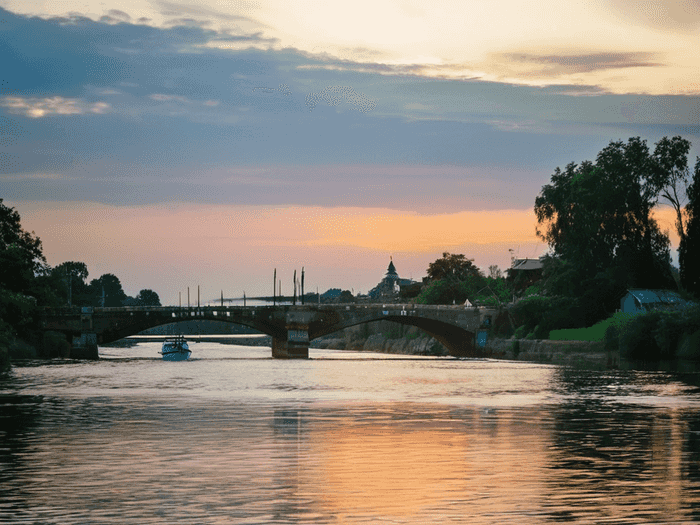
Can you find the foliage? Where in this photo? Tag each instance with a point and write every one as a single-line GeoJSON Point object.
{"type": "Point", "coordinates": [689, 250]}
{"type": "Point", "coordinates": [541, 314]}
{"type": "Point", "coordinates": [495, 272]}
{"type": "Point", "coordinates": [596, 217]}
{"type": "Point", "coordinates": [147, 297]}
{"type": "Point", "coordinates": [453, 279]}
{"type": "Point", "coordinates": [411, 291]}
{"type": "Point", "coordinates": [652, 335]}
{"type": "Point", "coordinates": [55, 345]}
{"type": "Point", "coordinates": [107, 291]}
{"type": "Point", "coordinates": [495, 292]}
{"type": "Point", "coordinates": [20, 251]}
{"type": "Point", "coordinates": [73, 287]}
{"type": "Point", "coordinates": [447, 291]}
{"type": "Point", "coordinates": [5, 341]}
{"type": "Point", "coordinates": [452, 267]}
{"type": "Point", "coordinates": [346, 297]}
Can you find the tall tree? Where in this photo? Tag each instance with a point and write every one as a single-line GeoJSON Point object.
{"type": "Point", "coordinates": [689, 251]}
{"type": "Point", "coordinates": [597, 217]}
{"type": "Point", "coordinates": [671, 159]}
{"type": "Point", "coordinates": [21, 257]}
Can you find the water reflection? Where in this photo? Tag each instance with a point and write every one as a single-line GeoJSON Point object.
{"type": "Point", "coordinates": [514, 445]}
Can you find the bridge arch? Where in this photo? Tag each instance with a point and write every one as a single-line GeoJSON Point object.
{"type": "Point", "coordinates": [458, 341]}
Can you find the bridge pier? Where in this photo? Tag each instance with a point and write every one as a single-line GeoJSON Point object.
{"type": "Point", "coordinates": [84, 346]}
{"type": "Point", "coordinates": [294, 346]}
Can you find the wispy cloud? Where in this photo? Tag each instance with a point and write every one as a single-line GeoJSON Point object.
{"type": "Point", "coordinates": [557, 64]}
{"type": "Point", "coordinates": [52, 106]}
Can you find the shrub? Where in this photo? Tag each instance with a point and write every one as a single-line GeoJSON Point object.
{"type": "Point", "coordinates": [55, 345]}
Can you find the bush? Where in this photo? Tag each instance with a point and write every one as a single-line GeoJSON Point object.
{"type": "Point", "coordinates": [651, 335]}
{"type": "Point", "coordinates": [636, 338]}
{"type": "Point", "coordinates": [546, 314]}
{"type": "Point", "coordinates": [520, 332]}
{"type": "Point", "coordinates": [55, 345]}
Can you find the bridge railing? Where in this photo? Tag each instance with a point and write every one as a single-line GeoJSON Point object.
{"type": "Point", "coordinates": [76, 310]}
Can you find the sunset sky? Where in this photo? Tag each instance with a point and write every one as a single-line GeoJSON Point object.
{"type": "Point", "coordinates": [178, 144]}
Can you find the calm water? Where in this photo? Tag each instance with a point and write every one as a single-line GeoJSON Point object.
{"type": "Point", "coordinates": [233, 436]}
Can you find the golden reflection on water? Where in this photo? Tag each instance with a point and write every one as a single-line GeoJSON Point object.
{"type": "Point", "coordinates": [404, 468]}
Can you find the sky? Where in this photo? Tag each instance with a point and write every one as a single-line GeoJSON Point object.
{"type": "Point", "coordinates": [180, 144]}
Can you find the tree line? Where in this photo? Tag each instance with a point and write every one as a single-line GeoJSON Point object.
{"type": "Point", "coordinates": [597, 218]}
{"type": "Point", "coordinates": [28, 283]}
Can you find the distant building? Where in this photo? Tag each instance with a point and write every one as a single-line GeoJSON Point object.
{"type": "Point", "coordinates": [390, 286]}
{"type": "Point", "coordinates": [525, 272]}
{"type": "Point", "coordinates": [639, 300]}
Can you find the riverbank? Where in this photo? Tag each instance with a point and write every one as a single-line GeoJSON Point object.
{"type": "Point", "coordinates": [391, 338]}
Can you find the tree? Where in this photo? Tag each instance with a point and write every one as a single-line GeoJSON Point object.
{"type": "Point", "coordinates": [452, 279]}
{"type": "Point", "coordinates": [21, 257]}
{"type": "Point", "coordinates": [147, 297]}
{"type": "Point", "coordinates": [671, 158]}
{"type": "Point", "coordinates": [689, 250]}
{"type": "Point", "coordinates": [596, 217]}
{"type": "Point", "coordinates": [453, 267]}
{"type": "Point", "coordinates": [74, 275]}
{"type": "Point", "coordinates": [107, 291]}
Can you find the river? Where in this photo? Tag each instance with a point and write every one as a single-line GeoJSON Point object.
{"type": "Point", "coordinates": [233, 436]}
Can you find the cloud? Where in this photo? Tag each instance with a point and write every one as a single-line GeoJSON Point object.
{"type": "Point", "coordinates": [556, 65]}
{"type": "Point", "coordinates": [160, 97]}
{"type": "Point", "coordinates": [51, 106]}
{"type": "Point", "coordinates": [334, 95]}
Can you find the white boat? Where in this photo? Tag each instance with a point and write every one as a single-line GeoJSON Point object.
{"type": "Point", "coordinates": [175, 349]}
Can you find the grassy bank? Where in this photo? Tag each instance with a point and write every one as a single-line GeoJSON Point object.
{"type": "Point", "coordinates": [654, 335]}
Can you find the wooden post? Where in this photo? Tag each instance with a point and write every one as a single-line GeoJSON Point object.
{"type": "Point", "coordinates": [294, 300]}
{"type": "Point", "coordinates": [274, 287]}
{"type": "Point", "coordinates": [302, 285]}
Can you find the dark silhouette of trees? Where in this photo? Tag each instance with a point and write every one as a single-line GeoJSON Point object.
{"type": "Point", "coordinates": [107, 291]}
{"type": "Point", "coordinates": [147, 297]}
{"type": "Point", "coordinates": [74, 276]}
{"type": "Point", "coordinates": [689, 251]}
{"type": "Point", "coordinates": [596, 216]}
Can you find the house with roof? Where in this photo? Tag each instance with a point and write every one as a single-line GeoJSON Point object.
{"type": "Point", "coordinates": [525, 272]}
{"type": "Point", "coordinates": [644, 300]}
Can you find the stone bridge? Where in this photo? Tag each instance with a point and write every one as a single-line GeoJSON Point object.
{"type": "Point", "coordinates": [291, 327]}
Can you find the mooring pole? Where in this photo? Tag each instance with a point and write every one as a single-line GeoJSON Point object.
{"type": "Point", "coordinates": [274, 288]}
{"type": "Point", "coordinates": [294, 300]}
{"type": "Point", "coordinates": [302, 285]}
